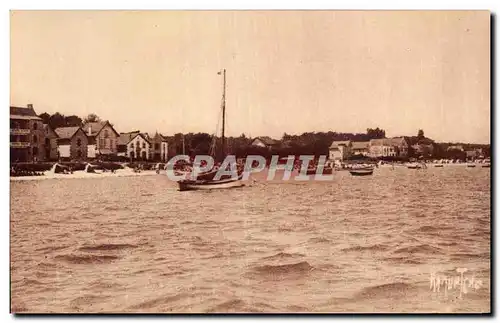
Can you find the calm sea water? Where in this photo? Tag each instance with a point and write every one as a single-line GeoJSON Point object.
{"type": "Point", "coordinates": [355, 244]}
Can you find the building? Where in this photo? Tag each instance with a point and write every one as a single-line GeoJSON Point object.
{"type": "Point", "coordinates": [159, 148]}
{"type": "Point", "coordinates": [26, 135]}
{"type": "Point", "coordinates": [50, 145]}
{"type": "Point", "coordinates": [340, 150]}
{"type": "Point", "coordinates": [266, 142]}
{"type": "Point", "coordinates": [360, 148]}
{"type": "Point", "coordinates": [72, 143]}
{"type": "Point", "coordinates": [389, 147]}
{"type": "Point", "coordinates": [102, 139]}
{"type": "Point", "coordinates": [423, 148]}
{"type": "Point", "coordinates": [455, 147]}
{"type": "Point", "coordinates": [134, 146]}
{"type": "Point", "coordinates": [472, 154]}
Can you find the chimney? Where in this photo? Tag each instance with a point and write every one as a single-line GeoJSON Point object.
{"type": "Point", "coordinates": [30, 106]}
{"type": "Point", "coordinates": [90, 129]}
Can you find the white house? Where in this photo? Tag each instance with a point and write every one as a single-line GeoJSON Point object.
{"type": "Point", "coordinates": [134, 145]}
{"type": "Point", "coordinates": [340, 150]}
{"type": "Point", "coordinates": [138, 147]}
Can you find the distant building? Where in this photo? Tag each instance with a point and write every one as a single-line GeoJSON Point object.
{"type": "Point", "coordinates": [50, 146]}
{"type": "Point", "coordinates": [389, 147]}
{"type": "Point", "coordinates": [455, 147]}
{"type": "Point", "coordinates": [134, 145]}
{"type": "Point", "coordinates": [102, 139]}
{"type": "Point", "coordinates": [26, 135]}
{"type": "Point", "coordinates": [472, 154]}
{"type": "Point", "coordinates": [265, 142]}
{"type": "Point", "coordinates": [72, 143]}
{"type": "Point", "coordinates": [159, 150]}
{"type": "Point", "coordinates": [340, 150]}
{"type": "Point", "coordinates": [360, 148]}
{"type": "Point", "coordinates": [423, 148]}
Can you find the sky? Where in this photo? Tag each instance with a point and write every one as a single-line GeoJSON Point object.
{"type": "Point", "coordinates": [287, 71]}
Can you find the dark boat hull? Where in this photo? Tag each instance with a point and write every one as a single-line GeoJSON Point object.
{"type": "Point", "coordinates": [361, 172]}
{"type": "Point", "coordinates": [196, 185]}
{"type": "Point", "coordinates": [326, 171]}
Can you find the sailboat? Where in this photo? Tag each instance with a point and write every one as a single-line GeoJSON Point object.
{"type": "Point", "coordinates": [206, 181]}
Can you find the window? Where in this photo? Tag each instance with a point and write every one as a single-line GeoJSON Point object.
{"type": "Point", "coordinates": [79, 153]}
{"type": "Point", "coordinates": [106, 134]}
{"type": "Point", "coordinates": [35, 125]}
{"type": "Point", "coordinates": [132, 145]}
{"type": "Point", "coordinates": [143, 145]}
{"type": "Point", "coordinates": [157, 146]}
{"type": "Point", "coordinates": [35, 139]}
{"type": "Point", "coordinates": [78, 142]}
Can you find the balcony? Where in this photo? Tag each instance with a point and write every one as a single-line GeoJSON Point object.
{"type": "Point", "coordinates": [19, 131]}
{"type": "Point", "coordinates": [20, 144]}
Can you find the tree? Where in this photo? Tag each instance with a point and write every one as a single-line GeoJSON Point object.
{"type": "Point", "coordinates": [73, 121]}
{"type": "Point", "coordinates": [45, 117]}
{"type": "Point", "coordinates": [420, 134]}
{"type": "Point", "coordinates": [376, 133]}
{"type": "Point", "coordinates": [92, 118]}
{"type": "Point", "coordinates": [57, 120]}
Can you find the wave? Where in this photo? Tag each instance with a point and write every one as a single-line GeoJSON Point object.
{"type": "Point", "coordinates": [375, 247]}
{"type": "Point", "coordinates": [468, 256]}
{"type": "Point", "coordinates": [228, 306]}
{"type": "Point", "coordinates": [51, 248]}
{"type": "Point", "coordinates": [28, 281]}
{"type": "Point", "coordinates": [158, 301]}
{"type": "Point", "coordinates": [173, 273]}
{"type": "Point", "coordinates": [18, 309]}
{"type": "Point", "coordinates": [46, 265]}
{"type": "Point", "coordinates": [319, 240]}
{"type": "Point", "coordinates": [390, 290]}
{"type": "Point", "coordinates": [86, 300]}
{"type": "Point", "coordinates": [299, 267]}
{"type": "Point", "coordinates": [99, 284]}
{"type": "Point", "coordinates": [423, 248]}
{"type": "Point", "coordinates": [108, 246]}
{"type": "Point", "coordinates": [283, 255]}
{"type": "Point", "coordinates": [112, 208]}
{"type": "Point", "coordinates": [85, 259]}
{"type": "Point", "coordinates": [403, 260]}
{"type": "Point", "coordinates": [448, 244]}
{"type": "Point", "coordinates": [430, 228]}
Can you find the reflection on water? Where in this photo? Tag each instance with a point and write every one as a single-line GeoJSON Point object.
{"type": "Point", "coordinates": [136, 244]}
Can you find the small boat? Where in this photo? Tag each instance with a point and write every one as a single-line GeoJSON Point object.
{"type": "Point", "coordinates": [195, 185]}
{"type": "Point", "coordinates": [438, 165]}
{"type": "Point", "coordinates": [486, 166]}
{"type": "Point", "coordinates": [471, 165]}
{"type": "Point", "coordinates": [413, 166]}
{"type": "Point", "coordinates": [206, 181]}
{"type": "Point", "coordinates": [361, 171]}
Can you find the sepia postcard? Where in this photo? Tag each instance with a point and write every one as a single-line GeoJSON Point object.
{"type": "Point", "coordinates": [250, 162]}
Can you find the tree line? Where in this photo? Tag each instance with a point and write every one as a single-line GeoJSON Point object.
{"type": "Point", "coordinates": [58, 120]}
{"type": "Point", "coordinates": [307, 143]}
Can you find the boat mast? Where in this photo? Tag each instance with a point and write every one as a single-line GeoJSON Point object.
{"type": "Point", "coordinates": [224, 114]}
{"type": "Point", "coordinates": [183, 145]}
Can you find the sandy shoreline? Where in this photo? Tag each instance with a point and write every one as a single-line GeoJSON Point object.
{"type": "Point", "coordinates": [82, 174]}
